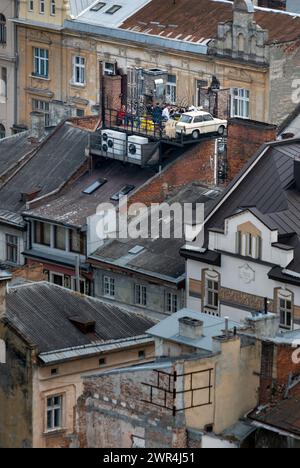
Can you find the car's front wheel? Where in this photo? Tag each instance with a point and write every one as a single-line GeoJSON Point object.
{"type": "Point", "coordinates": [195, 134]}
{"type": "Point", "coordinates": [221, 130]}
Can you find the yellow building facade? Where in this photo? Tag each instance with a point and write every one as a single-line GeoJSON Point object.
{"type": "Point", "coordinates": [61, 62]}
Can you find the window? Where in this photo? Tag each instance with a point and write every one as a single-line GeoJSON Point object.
{"type": "Point", "coordinates": [11, 248]}
{"type": "Point", "coordinates": [52, 7]}
{"type": "Point", "coordinates": [54, 371]}
{"type": "Point", "coordinates": [172, 303]}
{"type": "Point", "coordinates": [2, 131]}
{"type": "Point", "coordinates": [249, 239]}
{"type": "Point", "coordinates": [98, 6]}
{"type": "Point", "coordinates": [44, 107]}
{"type": "Point", "coordinates": [102, 362]}
{"type": "Point", "coordinates": [109, 68]}
{"type": "Point", "coordinates": [249, 245]}
{"type": "Point", "coordinates": [141, 295]}
{"type": "Point", "coordinates": [54, 412]}
{"type": "Point", "coordinates": [212, 290]}
{"type": "Point", "coordinates": [94, 186]}
{"type": "Point", "coordinates": [285, 306]}
{"type": "Point", "coordinates": [57, 279]}
{"type": "Point", "coordinates": [125, 191]}
{"type": "Point", "coordinates": [41, 62]}
{"type": "Point", "coordinates": [79, 70]}
{"type": "Point", "coordinates": [3, 84]}
{"type": "Point", "coordinates": [171, 90]}
{"type": "Point", "coordinates": [59, 238]}
{"type": "Point", "coordinates": [79, 113]}
{"type": "Point", "coordinates": [113, 9]}
{"type": "Point", "coordinates": [30, 5]}
{"type": "Point", "coordinates": [2, 29]}
{"type": "Point", "coordinates": [198, 119]}
{"type": "Point", "coordinates": [208, 118]}
{"type": "Point", "coordinates": [77, 242]}
{"type": "Point", "coordinates": [42, 7]}
{"type": "Point", "coordinates": [109, 286]}
{"type": "Point", "coordinates": [240, 103]}
{"type": "Point", "coordinates": [42, 233]}
{"type": "Point", "coordinates": [142, 354]}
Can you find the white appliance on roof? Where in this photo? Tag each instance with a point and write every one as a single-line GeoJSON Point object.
{"type": "Point", "coordinates": [135, 145]}
{"type": "Point", "coordinates": [113, 143]}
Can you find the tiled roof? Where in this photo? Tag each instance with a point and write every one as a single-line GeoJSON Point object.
{"type": "Point", "coordinates": [41, 312]}
{"type": "Point", "coordinates": [197, 21]}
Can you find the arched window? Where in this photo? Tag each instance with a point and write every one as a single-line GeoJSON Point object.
{"type": "Point", "coordinates": [2, 131]}
{"type": "Point", "coordinates": [53, 7]}
{"type": "Point", "coordinates": [2, 29]}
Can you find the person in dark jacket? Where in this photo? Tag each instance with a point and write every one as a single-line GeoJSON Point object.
{"type": "Point", "coordinates": [157, 114]}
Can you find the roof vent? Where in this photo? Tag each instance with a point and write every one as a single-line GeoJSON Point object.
{"type": "Point", "coordinates": [190, 328]}
{"type": "Point", "coordinates": [297, 173]}
{"type": "Point", "coordinates": [83, 325]}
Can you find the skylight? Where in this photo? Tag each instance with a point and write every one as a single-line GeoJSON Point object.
{"type": "Point", "coordinates": [136, 250]}
{"type": "Point", "coordinates": [113, 9]}
{"type": "Point", "coordinates": [98, 6]}
{"type": "Point", "coordinates": [95, 186]}
{"type": "Point", "coordinates": [124, 191]}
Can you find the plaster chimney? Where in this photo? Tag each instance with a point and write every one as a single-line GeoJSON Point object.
{"type": "Point", "coordinates": [5, 278]}
{"type": "Point", "coordinates": [37, 125]}
{"type": "Point", "coordinates": [190, 328]}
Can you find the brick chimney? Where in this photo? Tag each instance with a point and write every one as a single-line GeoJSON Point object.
{"type": "Point", "coordinates": [37, 125]}
{"type": "Point", "coordinates": [245, 137]}
{"type": "Point", "coordinates": [5, 278]}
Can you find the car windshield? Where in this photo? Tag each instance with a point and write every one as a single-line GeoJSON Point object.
{"type": "Point", "coordinates": [186, 118]}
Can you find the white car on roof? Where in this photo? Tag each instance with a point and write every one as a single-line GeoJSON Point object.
{"type": "Point", "coordinates": [197, 123]}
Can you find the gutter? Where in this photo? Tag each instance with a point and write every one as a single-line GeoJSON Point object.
{"type": "Point", "coordinates": [137, 37]}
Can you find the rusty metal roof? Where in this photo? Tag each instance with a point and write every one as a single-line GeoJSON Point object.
{"type": "Point", "coordinates": [196, 21]}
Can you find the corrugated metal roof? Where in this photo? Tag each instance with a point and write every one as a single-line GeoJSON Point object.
{"type": "Point", "coordinates": [41, 312]}
{"type": "Point", "coordinates": [13, 219]}
{"type": "Point", "coordinates": [13, 149]}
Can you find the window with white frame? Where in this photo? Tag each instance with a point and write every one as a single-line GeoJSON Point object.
{"type": "Point", "coordinates": [30, 5]}
{"type": "Point", "coordinates": [43, 107]}
{"type": "Point", "coordinates": [141, 295]}
{"type": "Point", "coordinates": [240, 103]}
{"type": "Point", "coordinates": [285, 309]}
{"type": "Point", "coordinates": [248, 245]}
{"type": "Point", "coordinates": [171, 89]}
{"type": "Point", "coordinates": [2, 29]}
{"type": "Point", "coordinates": [212, 290]}
{"type": "Point", "coordinates": [52, 7]}
{"type": "Point", "coordinates": [3, 84]}
{"type": "Point", "coordinates": [54, 412]}
{"type": "Point", "coordinates": [41, 62]}
{"type": "Point", "coordinates": [172, 303]}
{"type": "Point", "coordinates": [12, 243]}
{"type": "Point", "coordinates": [109, 287]}
{"type": "Point", "coordinates": [79, 70]}
{"type": "Point", "coordinates": [42, 7]}
{"type": "Point", "coordinates": [109, 68]}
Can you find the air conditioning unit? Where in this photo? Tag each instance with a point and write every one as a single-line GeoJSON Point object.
{"type": "Point", "coordinates": [113, 143]}
{"type": "Point", "coordinates": [134, 147]}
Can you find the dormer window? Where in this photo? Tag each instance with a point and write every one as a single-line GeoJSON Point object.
{"type": "Point", "coordinates": [248, 241]}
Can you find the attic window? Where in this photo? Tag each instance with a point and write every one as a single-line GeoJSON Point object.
{"type": "Point", "coordinates": [124, 191]}
{"type": "Point", "coordinates": [113, 9]}
{"type": "Point", "coordinates": [98, 6]}
{"type": "Point", "coordinates": [95, 186]}
{"type": "Point", "coordinates": [83, 325]}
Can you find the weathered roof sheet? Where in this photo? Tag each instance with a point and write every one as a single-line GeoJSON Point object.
{"type": "Point", "coordinates": [41, 312]}
{"type": "Point", "coordinates": [13, 149]}
{"type": "Point", "coordinates": [56, 160]}
{"type": "Point", "coordinates": [101, 17]}
{"type": "Point", "coordinates": [168, 329]}
{"type": "Point", "coordinates": [197, 20]}
{"type": "Point", "coordinates": [73, 207]}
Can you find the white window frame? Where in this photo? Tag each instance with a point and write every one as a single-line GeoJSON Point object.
{"type": "Point", "coordinates": [240, 103]}
{"type": "Point", "coordinates": [212, 289]}
{"type": "Point", "coordinates": [52, 408]}
{"type": "Point", "coordinates": [30, 5]}
{"type": "Point", "coordinates": [171, 92]}
{"type": "Point", "coordinates": [79, 66]}
{"type": "Point", "coordinates": [172, 303]}
{"type": "Point", "coordinates": [140, 292]}
{"type": "Point", "coordinates": [109, 287]}
{"type": "Point", "coordinates": [42, 7]}
{"type": "Point", "coordinates": [41, 62]}
{"type": "Point", "coordinates": [107, 68]}
{"type": "Point", "coordinates": [283, 309]}
{"type": "Point", "coordinates": [12, 243]}
{"type": "Point", "coordinates": [52, 7]}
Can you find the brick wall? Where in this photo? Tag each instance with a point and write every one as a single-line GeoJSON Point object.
{"type": "Point", "coordinates": [195, 165]}
{"type": "Point", "coordinates": [112, 92]}
{"type": "Point", "coordinates": [245, 137]}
